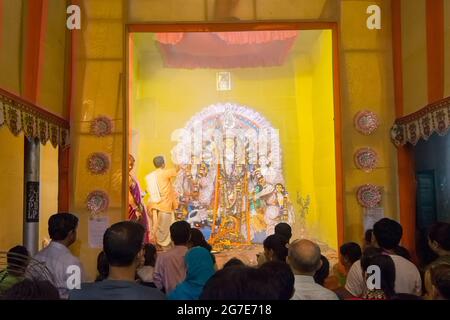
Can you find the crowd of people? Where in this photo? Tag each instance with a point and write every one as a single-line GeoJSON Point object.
{"type": "Point", "coordinates": [130, 268]}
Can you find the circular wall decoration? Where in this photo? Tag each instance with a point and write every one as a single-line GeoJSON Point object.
{"type": "Point", "coordinates": [366, 122]}
{"type": "Point", "coordinates": [101, 126]}
{"type": "Point", "coordinates": [366, 159]}
{"type": "Point", "coordinates": [369, 195]}
{"type": "Point", "coordinates": [97, 201]}
{"type": "Point", "coordinates": [98, 163]}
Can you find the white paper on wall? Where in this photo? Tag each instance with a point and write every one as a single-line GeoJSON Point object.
{"type": "Point", "coordinates": [97, 227]}
{"type": "Point", "coordinates": [371, 216]}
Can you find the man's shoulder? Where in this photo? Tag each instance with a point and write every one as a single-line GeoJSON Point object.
{"type": "Point", "coordinates": [115, 290]}
{"type": "Point", "coordinates": [404, 264]}
{"type": "Point", "coordinates": [150, 293]}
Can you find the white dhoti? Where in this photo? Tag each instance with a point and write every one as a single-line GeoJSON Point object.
{"type": "Point", "coordinates": [165, 220]}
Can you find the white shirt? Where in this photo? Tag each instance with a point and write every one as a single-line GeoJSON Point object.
{"type": "Point", "coordinates": [407, 278]}
{"type": "Point", "coordinates": [307, 289]}
{"type": "Point", "coordinates": [57, 258]}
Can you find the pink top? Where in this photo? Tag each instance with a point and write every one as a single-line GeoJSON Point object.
{"type": "Point", "coordinates": [170, 268]}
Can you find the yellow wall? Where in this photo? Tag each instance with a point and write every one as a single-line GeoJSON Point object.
{"type": "Point", "coordinates": [98, 83]}
{"type": "Point", "coordinates": [447, 47]}
{"type": "Point", "coordinates": [51, 93]}
{"type": "Point", "coordinates": [414, 47]}
{"type": "Point", "coordinates": [50, 97]}
{"type": "Point", "coordinates": [10, 45]}
{"type": "Point", "coordinates": [367, 83]}
{"type": "Point", "coordinates": [165, 99]}
{"type": "Point", "coordinates": [324, 147]}
{"type": "Point", "coordinates": [49, 188]}
{"type": "Point", "coordinates": [11, 189]}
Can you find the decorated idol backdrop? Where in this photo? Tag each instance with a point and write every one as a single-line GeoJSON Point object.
{"type": "Point", "coordinates": [230, 181]}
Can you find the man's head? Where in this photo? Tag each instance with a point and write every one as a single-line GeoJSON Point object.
{"type": "Point", "coordinates": [62, 227]}
{"type": "Point", "coordinates": [275, 248]}
{"type": "Point", "coordinates": [350, 252]}
{"type": "Point", "coordinates": [304, 257]}
{"type": "Point", "coordinates": [180, 233]}
{"type": "Point", "coordinates": [283, 229]}
{"type": "Point", "coordinates": [17, 259]}
{"type": "Point", "coordinates": [439, 238]}
{"type": "Point", "coordinates": [368, 235]}
{"type": "Point", "coordinates": [122, 243]}
{"type": "Point", "coordinates": [323, 272]}
{"type": "Point", "coordinates": [387, 233]}
{"type": "Point", "coordinates": [280, 277]}
{"type": "Point", "coordinates": [159, 162]}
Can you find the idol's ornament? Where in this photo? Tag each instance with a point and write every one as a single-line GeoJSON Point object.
{"type": "Point", "coordinates": [366, 159]}
{"type": "Point", "coordinates": [97, 201]}
{"type": "Point", "coordinates": [422, 124]}
{"type": "Point", "coordinates": [366, 122]}
{"type": "Point", "coordinates": [231, 184]}
{"type": "Point", "coordinates": [98, 163]}
{"type": "Point", "coordinates": [35, 123]}
{"type": "Point", "coordinates": [369, 195]}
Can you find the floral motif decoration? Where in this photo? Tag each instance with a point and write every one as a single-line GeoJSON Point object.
{"type": "Point", "coordinates": [366, 159]}
{"type": "Point", "coordinates": [369, 195]}
{"type": "Point", "coordinates": [98, 163]}
{"type": "Point", "coordinates": [366, 122]}
{"type": "Point", "coordinates": [101, 126]}
{"type": "Point", "coordinates": [97, 201]}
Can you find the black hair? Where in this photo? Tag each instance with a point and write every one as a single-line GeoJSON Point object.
{"type": "Point", "coordinates": [150, 255]}
{"type": "Point", "coordinates": [122, 242]}
{"type": "Point", "coordinates": [440, 277]}
{"type": "Point", "coordinates": [368, 253]}
{"type": "Point", "coordinates": [17, 259]}
{"type": "Point", "coordinates": [233, 262]}
{"type": "Point", "coordinates": [278, 244]}
{"type": "Point", "coordinates": [387, 271]}
{"type": "Point", "coordinates": [280, 276]}
{"type": "Point", "coordinates": [368, 236]}
{"type": "Point", "coordinates": [352, 251]}
{"type": "Point", "coordinates": [239, 283]}
{"type": "Point", "coordinates": [285, 230]}
{"type": "Point", "coordinates": [440, 232]}
{"type": "Point", "coordinates": [158, 161]}
{"type": "Point", "coordinates": [32, 290]}
{"type": "Point", "coordinates": [388, 233]}
{"type": "Point", "coordinates": [323, 272]}
{"type": "Point", "coordinates": [180, 232]}
{"type": "Point", "coordinates": [198, 239]}
{"type": "Point", "coordinates": [61, 224]}
{"type": "Point", "coordinates": [102, 267]}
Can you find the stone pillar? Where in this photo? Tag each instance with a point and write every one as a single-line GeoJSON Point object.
{"type": "Point", "coordinates": [31, 195]}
